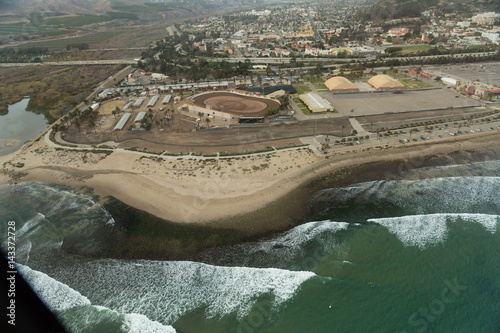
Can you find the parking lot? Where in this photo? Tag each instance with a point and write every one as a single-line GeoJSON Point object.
{"type": "Point", "coordinates": [484, 72]}
{"type": "Point", "coordinates": [387, 102]}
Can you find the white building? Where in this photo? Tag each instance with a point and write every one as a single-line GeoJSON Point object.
{"type": "Point", "coordinates": [493, 36]}
{"type": "Point", "coordinates": [485, 18]}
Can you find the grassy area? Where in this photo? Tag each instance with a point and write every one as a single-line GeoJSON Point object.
{"type": "Point", "coordinates": [418, 48]}
{"type": "Point", "coordinates": [311, 79]}
{"type": "Point", "coordinates": [397, 74]}
{"type": "Point", "coordinates": [302, 89]}
{"type": "Point", "coordinates": [20, 29]}
{"type": "Point", "coordinates": [60, 44]}
{"type": "Point", "coordinates": [320, 87]}
{"type": "Point", "coordinates": [53, 90]}
{"type": "Point", "coordinates": [76, 21]}
{"type": "Point", "coordinates": [301, 106]}
{"type": "Point", "coordinates": [411, 84]}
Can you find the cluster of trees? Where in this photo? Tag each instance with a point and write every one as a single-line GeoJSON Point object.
{"type": "Point", "coordinates": [79, 46]}
{"type": "Point", "coordinates": [195, 71]}
{"type": "Point", "coordinates": [79, 118]}
{"type": "Point", "coordinates": [32, 51]}
{"type": "Point", "coordinates": [284, 105]}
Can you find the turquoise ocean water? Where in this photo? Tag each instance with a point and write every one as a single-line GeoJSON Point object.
{"type": "Point", "coordinates": [386, 256]}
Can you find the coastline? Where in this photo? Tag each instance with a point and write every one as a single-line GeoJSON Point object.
{"type": "Point", "coordinates": [186, 193]}
{"type": "Point", "coordinates": [175, 215]}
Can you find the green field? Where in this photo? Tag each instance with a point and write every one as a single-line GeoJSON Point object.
{"type": "Point", "coordinates": [19, 29]}
{"type": "Point", "coordinates": [76, 21]}
{"type": "Point", "coordinates": [60, 44]}
{"type": "Point", "coordinates": [397, 74]}
{"type": "Point", "coordinates": [301, 106]}
{"type": "Point", "coordinates": [143, 9]}
{"type": "Point", "coordinates": [320, 87]}
{"type": "Point", "coordinates": [418, 48]}
{"type": "Point", "coordinates": [410, 84]}
{"type": "Point", "coordinates": [302, 89]}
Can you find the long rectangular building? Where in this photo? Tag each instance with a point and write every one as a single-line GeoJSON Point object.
{"type": "Point", "coordinates": [166, 99]}
{"type": "Point", "coordinates": [123, 120]}
{"type": "Point", "coordinates": [138, 102]}
{"type": "Point", "coordinates": [139, 117]}
{"type": "Point", "coordinates": [316, 103]}
{"type": "Point", "coordinates": [152, 101]}
{"type": "Point", "coordinates": [127, 106]}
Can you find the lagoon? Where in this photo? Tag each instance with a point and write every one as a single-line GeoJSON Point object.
{"type": "Point", "coordinates": [18, 126]}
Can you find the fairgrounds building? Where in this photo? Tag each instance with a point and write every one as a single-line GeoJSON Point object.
{"type": "Point", "coordinates": [316, 103]}
{"type": "Point", "coordinates": [339, 84]}
{"type": "Point", "coordinates": [384, 82]}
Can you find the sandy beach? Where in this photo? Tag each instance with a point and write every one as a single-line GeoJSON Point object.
{"type": "Point", "coordinates": [213, 192]}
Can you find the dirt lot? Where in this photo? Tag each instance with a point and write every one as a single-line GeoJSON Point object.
{"type": "Point", "coordinates": [235, 104]}
{"type": "Point", "coordinates": [107, 107]}
{"type": "Point", "coordinates": [173, 136]}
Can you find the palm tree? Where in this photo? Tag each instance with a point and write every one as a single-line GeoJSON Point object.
{"type": "Point", "coordinates": [77, 124]}
{"type": "Point", "coordinates": [208, 122]}
{"type": "Point", "coordinates": [92, 125]}
{"type": "Point", "coordinates": [378, 131]}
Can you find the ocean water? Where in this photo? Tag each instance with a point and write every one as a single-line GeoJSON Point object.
{"type": "Point", "coordinates": [18, 126]}
{"type": "Point", "coordinates": [414, 255]}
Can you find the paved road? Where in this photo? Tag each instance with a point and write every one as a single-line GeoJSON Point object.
{"type": "Point", "coordinates": [61, 144]}
{"type": "Point", "coordinates": [286, 60]}
{"type": "Point", "coordinates": [357, 126]}
{"type": "Point", "coordinates": [269, 61]}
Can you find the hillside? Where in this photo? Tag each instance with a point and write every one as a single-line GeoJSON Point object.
{"type": "Point", "coordinates": [395, 9]}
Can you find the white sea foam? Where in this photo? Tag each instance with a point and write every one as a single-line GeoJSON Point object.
{"type": "Point", "coordinates": [296, 237]}
{"type": "Point", "coordinates": [56, 295]}
{"type": "Point", "coordinates": [62, 200]}
{"type": "Point", "coordinates": [286, 250]}
{"type": "Point", "coordinates": [136, 323]}
{"type": "Point", "coordinates": [425, 196]}
{"type": "Point", "coordinates": [165, 291]}
{"type": "Point", "coordinates": [60, 297]}
{"type": "Point", "coordinates": [424, 230]}
{"type": "Point", "coordinates": [30, 225]}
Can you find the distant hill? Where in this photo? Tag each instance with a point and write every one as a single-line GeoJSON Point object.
{"type": "Point", "coordinates": [394, 9]}
{"type": "Point", "coordinates": [26, 7]}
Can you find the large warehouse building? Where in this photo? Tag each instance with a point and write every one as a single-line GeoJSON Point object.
{"type": "Point", "coordinates": [122, 121]}
{"type": "Point", "coordinates": [316, 103]}
{"type": "Point", "coordinates": [384, 82]}
{"type": "Point", "coordinates": [339, 84]}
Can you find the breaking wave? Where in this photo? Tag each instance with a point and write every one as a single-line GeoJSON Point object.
{"type": "Point", "coordinates": [425, 230]}
{"type": "Point", "coordinates": [77, 312]}
{"type": "Point", "coordinates": [165, 291]}
{"type": "Point", "coordinates": [377, 199]}
{"type": "Point", "coordinates": [286, 250]}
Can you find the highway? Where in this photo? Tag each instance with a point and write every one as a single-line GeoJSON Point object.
{"type": "Point", "coordinates": [286, 60]}
{"type": "Point", "coordinates": [265, 61]}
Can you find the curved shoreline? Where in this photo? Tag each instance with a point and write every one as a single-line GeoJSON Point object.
{"type": "Point", "coordinates": [175, 216]}
{"type": "Point", "coordinates": [212, 199]}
